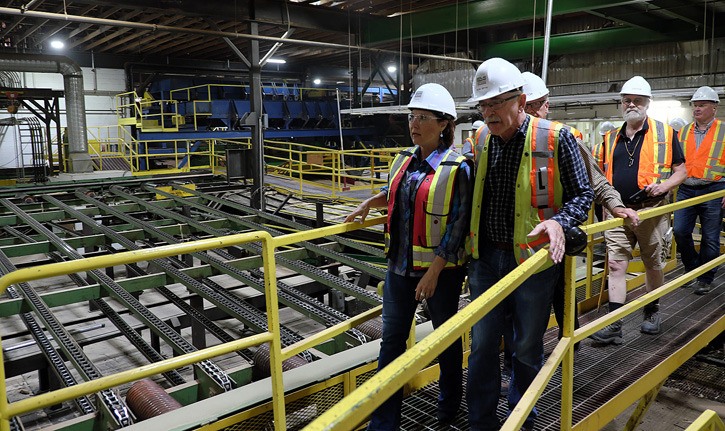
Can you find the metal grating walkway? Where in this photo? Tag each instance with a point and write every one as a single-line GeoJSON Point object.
{"type": "Point", "coordinates": [601, 372]}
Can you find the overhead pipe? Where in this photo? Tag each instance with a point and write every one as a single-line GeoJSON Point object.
{"type": "Point", "coordinates": [572, 43]}
{"type": "Point", "coordinates": [75, 104]}
{"type": "Point", "coordinates": [547, 38]}
{"type": "Point", "coordinates": [222, 34]}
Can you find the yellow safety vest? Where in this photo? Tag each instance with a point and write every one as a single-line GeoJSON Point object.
{"type": "Point", "coordinates": [538, 186]}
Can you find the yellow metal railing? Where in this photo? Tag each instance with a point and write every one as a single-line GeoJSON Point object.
{"type": "Point", "coordinates": [363, 401]}
{"type": "Point", "coordinates": [307, 164]}
{"type": "Point", "coordinates": [272, 336]}
{"type": "Point", "coordinates": [147, 114]}
{"type": "Point", "coordinates": [708, 421]}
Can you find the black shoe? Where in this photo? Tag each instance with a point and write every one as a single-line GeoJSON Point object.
{"type": "Point", "coordinates": [702, 288]}
{"type": "Point", "coordinates": [445, 417]}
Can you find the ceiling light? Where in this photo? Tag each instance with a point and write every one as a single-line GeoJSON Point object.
{"type": "Point", "coordinates": [317, 81]}
{"type": "Point", "coordinates": [392, 69]}
{"type": "Point", "coordinates": [277, 61]}
{"type": "Point", "coordinates": [57, 44]}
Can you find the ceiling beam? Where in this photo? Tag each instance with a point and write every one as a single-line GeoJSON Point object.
{"type": "Point", "coordinates": [270, 11]}
{"type": "Point", "coordinates": [472, 15]}
{"type": "Point", "coordinates": [585, 42]}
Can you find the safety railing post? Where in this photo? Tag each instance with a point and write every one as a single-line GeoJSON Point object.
{"type": "Point", "coordinates": [567, 366]}
{"type": "Point", "coordinates": [273, 325]}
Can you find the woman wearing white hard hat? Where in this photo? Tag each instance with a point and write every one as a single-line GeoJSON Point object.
{"type": "Point", "coordinates": [428, 201]}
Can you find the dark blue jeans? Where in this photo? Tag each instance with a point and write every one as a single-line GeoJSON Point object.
{"type": "Point", "coordinates": [399, 306]}
{"type": "Point", "coordinates": [710, 214]}
{"type": "Point", "coordinates": [530, 305]}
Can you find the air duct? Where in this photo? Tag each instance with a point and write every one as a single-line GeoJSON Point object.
{"type": "Point", "coordinates": [75, 105]}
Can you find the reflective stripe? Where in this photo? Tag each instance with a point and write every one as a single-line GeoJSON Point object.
{"type": "Point", "coordinates": [708, 161]}
{"type": "Point", "coordinates": [655, 157]}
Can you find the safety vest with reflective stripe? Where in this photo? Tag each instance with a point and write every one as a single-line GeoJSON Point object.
{"type": "Point", "coordinates": [433, 200]}
{"type": "Point", "coordinates": [655, 157]}
{"type": "Point", "coordinates": [538, 186]}
{"type": "Point", "coordinates": [598, 154]}
{"type": "Point", "coordinates": [469, 147]}
{"type": "Point", "coordinates": [574, 132]}
{"type": "Point", "coordinates": [708, 161]}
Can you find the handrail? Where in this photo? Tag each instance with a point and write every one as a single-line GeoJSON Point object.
{"type": "Point", "coordinates": [272, 336]}
{"type": "Point", "coordinates": [363, 401]}
{"type": "Point", "coordinates": [707, 421]}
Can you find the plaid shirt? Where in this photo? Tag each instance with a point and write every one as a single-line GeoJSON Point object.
{"type": "Point", "coordinates": [401, 256]}
{"type": "Point", "coordinates": [504, 159]}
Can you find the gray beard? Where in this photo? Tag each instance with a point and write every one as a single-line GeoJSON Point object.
{"type": "Point", "coordinates": [634, 116]}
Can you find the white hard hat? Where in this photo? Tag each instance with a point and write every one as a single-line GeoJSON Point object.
{"type": "Point", "coordinates": [477, 124]}
{"type": "Point", "coordinates": [637, 86]}
{"type": "Point", "coordinates": [705, 93]}
{"type": "Point", "coordinates": [678, 123]}
{"type": "Point", "coordinates": [433, 97]}
{"type": "Point", "coordinates": [606, 127]}
{"type": "Point", "coordinates": [493, 77]}
{"type": "Point", "coordinates": [534, 87]}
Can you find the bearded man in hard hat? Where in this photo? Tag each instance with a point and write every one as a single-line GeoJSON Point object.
{"type": "Point", "coordinates": [604, 194]}
{"type": "Point", "coordinates": [643, 160]}
{"type": "Point", "coordinates": [703, 142]}
{"type": "Point", "coordinates": [528, 191]}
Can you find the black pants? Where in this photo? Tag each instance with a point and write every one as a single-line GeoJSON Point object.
{"type": "Point", "coordinates": [558, 303]}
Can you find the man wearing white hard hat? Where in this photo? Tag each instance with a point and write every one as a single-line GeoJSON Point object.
{"type": "Point", "coordinates": [604, 194]}
{"type": "Point", "coordinates": [703, 144]}
{"type": "Point", "coordinates": [428, 201]}
{"type": "Point", "coordinates": [643, 160]}
{"type": "Point", "coordinates": [528, 191]}
{"type": "Point", "coordinates": [468, 144]}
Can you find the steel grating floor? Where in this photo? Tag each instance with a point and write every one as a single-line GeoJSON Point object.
{"type": "Point", "coordinates": [602, 372]}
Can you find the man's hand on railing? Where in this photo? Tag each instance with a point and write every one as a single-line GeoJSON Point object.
{"type": "Point", "coordinates": [628, 214]}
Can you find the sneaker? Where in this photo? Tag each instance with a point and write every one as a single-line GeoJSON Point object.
{"type": "Point", "coordinates": [702, 288]}
{"type": "Point", "coordinates": [652, 324]}
{"type": "Point", "coordinates": [610, 334]}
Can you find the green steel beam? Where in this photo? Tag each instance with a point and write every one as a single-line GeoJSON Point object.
{"type": "Point", "coordinates": [472, 15]}
{"type": "Point", "coordinates": [572, 43]}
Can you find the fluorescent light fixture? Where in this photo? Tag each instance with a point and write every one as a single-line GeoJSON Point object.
{"type": "Point", "coordinates": [392, 69]}
{"type": "Point", "coordinates": [57, 44]}
{"type": "Point", "coordinates": [317, 81]}
{"type": "Point", "coordinates": [277, 61]}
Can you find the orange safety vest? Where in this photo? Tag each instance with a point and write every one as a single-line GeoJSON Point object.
{"type": "Point", "coordinates": [469, 146]}
{"type": "Point", "coordinates": [598, 154]}
{"type": "Point", "coordinates": [433, 201]}
{"type": "Point", "coordinates": [708, 161]}
{"type": "Point", "coordinates": [538, 191]}
{"type": "Point", "coordinates": [655, 157]}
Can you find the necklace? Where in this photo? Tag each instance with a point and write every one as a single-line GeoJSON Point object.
{"type": "Point", "coordinates": [631, 153]}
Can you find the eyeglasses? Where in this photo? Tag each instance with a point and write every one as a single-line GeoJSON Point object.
{"type": "Point", "coordinates": [495, 105]}
{"type": "Point", "coordinates": [638, 101]}
{"type": "Point", "coordinates": [421, 118]}
{"type": "Point", "coordinates": [536, 105]}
